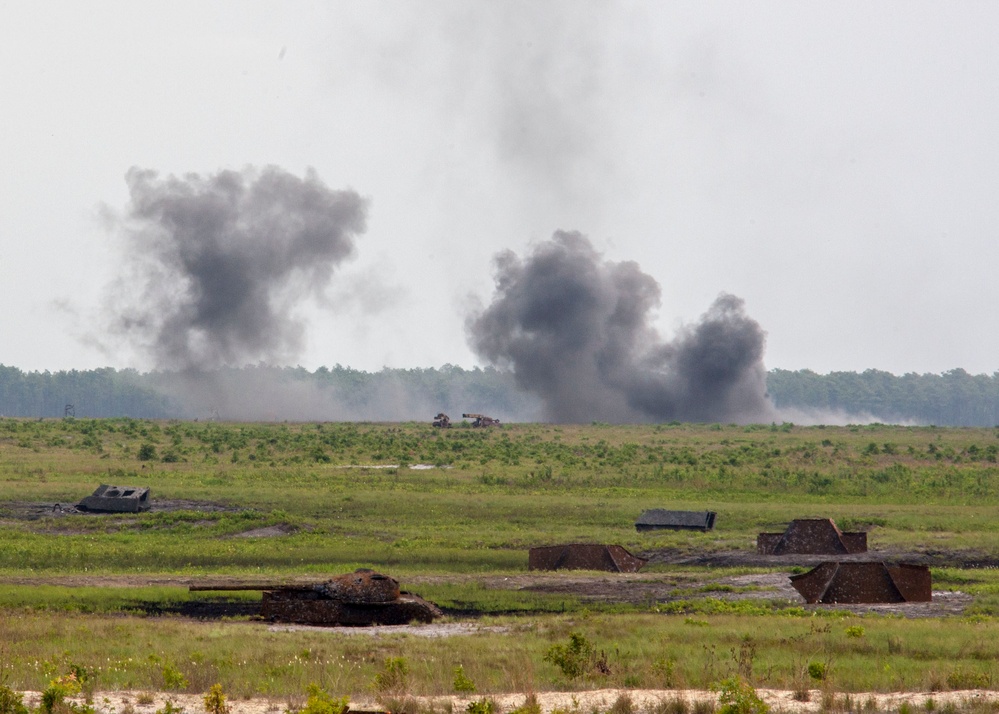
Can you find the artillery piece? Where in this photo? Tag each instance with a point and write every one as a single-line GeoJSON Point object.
{"type": "Point", "coordinates": [361, 598]}
{"type": "Point", "coordinates": [481, 420]}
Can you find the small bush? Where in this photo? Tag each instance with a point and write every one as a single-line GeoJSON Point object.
{"type": "Point", "coordinates": [393, 675]}
{"type": "Point", "coordinates": [574, 658]}
{"type": "Point", "coordinates": [54, 696]}
{"type": "Point", "coordinates": [11, 702]}
{"type": "Point", "coordinates": [672, 705]}
{"type": "Point", "coordinates": [461, 681]}
{"type": "Point", "coordinates": [147, 452]}
{"type": "Point", "coordinates": [665, 669]}
{"type": "Point", "coordinates": [855, 631]}
{"type": "Point", "coordinates": [321, 702]}
{"type": "Point", "coordinates": [966, 679]}
{"type": "Point", "coordinates": [531, 705]}
{"type": "Point", "coordinates": [623, 705]}
{"type": "Point", "coordinates": [169, 708]}
{"type": "Point", "coordinates": [173, 678]}
{"type": "Point", "coordinates": [481, 706]}
{"type": "Point", "coordinates": [817, 670]}
{"type": "Point", "coordinates": [737, 696]}
{"type": "Point", "coordinates": [215, 701]}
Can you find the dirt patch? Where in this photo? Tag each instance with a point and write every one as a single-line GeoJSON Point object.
{"type": "Point", "coordinates": [13, 511]}
{"type": "Point", "coordinates": [936, 558]}
{"type": "Point", "coordinates": [650, 589]}
{"type": "Point", "coordinates": [268, 532]}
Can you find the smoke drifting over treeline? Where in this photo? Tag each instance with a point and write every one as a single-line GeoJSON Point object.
{"type": "Point", "coordinates": [216, 265]}
{"type": "Point", "coordinates": [575, 329]}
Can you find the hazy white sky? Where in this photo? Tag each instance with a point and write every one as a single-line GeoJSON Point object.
{"type": "Point", "coordinates": [834, 164]}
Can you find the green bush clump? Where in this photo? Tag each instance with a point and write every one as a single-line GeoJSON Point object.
{"type": "Point", "coordinates": [322, 702]}
{"type": "Point", "coordinates": [215, 701]}
{"type": "Point", "coordinates": [573, 659]}
{"type": "Point", "coordinates": [11, 702]}
{"type": "Point", "coordinates": [817, 670]}
{"type": "Point", "coordinates": [393, 676]}
{"type": "Point", "coordinates": [481, 706]}
{"type": "Point", "coordinates": [737, 696]}
{"type": "Point", "coordinates": [462, 683]}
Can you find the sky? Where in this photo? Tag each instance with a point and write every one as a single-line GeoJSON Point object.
{"type": "Point", "coordinates": [831, 164]}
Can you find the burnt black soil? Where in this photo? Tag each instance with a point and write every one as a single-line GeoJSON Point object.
{"type": "Point", "coordinates": [934, 558]}
{"type": "Point", "coordinates": [34, 510]}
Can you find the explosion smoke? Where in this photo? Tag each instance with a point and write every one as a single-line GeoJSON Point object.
{"type": "Point", "coordinates": [575, 330]}
{"type": "Point", "coordinates": [219, 263]}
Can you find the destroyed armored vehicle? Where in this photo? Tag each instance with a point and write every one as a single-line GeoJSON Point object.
{"type": "Point", "coordinates": [481, 420]}
{"type": "Point", "coordinates": [584, 556]}
{"type": "Point", "coordinates": [442, 421]}
{"type": "Point", "coordinates": [865, 582]}
{"type": "Point", "coordinates": [811, 536]}
{"type": "Point", "coordinates": [657, 519]}
{"type": "Point", "coordinates": [116, 499]}
{"type": "Point", "coordinates": [361, 598]}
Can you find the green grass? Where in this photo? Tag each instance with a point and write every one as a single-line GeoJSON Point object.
{"type": "Point", "coordinates": [641, 650]}
{"type": "Point", "coordinates": [495, 493]}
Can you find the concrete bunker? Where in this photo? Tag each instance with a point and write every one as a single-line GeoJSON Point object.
{"type": "Point", "coordinates": [361, 598]}
{"type": "Point", "coordinates": [116, 499]}
{"type": "Point", "coordinates": [663, 519]}
{"type": "Point", "coordinates": [864, 582]}
{"type": "Point", "coordinates": [811, 536]}
{"type": "Point", "coordinates": [584, 556]}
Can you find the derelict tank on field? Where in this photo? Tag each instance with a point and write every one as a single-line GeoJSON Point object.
{"type": "Point", "coordinates": [361, 598]}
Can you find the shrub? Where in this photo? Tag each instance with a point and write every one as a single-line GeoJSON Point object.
{"type": "Point", "coordinates": [173, 678]}
{"type": "Point", "coordinates": [321, 702]}
{"type": "Point", "coordinates": [54, 696]}
{"type": "Point", "coordinates": [11, 702]}
{"type": "Point", "coordinates": [169, 708]}
{"type": "Point", "coordinates": [817, 670]}
{"type": "Point", "coordinates": [623, 705]}
{"type": "Point", "coordinates": [855, 631]}
{"type": "Point", "coordinates": [967, 679]}
{"type": "Point", "coordinates": [531, 705]}
{"type": "Point", "coordinates": [461, 681]}
{"type": "Point", "coordinates": [737, 696]}
{"type": "Point", "coordinates": [573, 658]}
{"type": "Point", "coordinates": [147, 452]}
{"type": "Point", "coordinates": [215, 702]}
{"type": "Point", "coordinates": [665, 669]}
{"type": "Point", "coordinates": [393, 674]}
{"type": "Point", "coordinates": [481, 706]}
{"type": "Point", "coordinates": [672, 705]}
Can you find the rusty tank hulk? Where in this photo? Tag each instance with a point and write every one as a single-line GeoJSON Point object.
{"type": "Point", "coordinates": [481, 420]}
{"type": "Point", "coordinates": [442, 421]}
{"type": "Point", "coordinates": [361, 598]}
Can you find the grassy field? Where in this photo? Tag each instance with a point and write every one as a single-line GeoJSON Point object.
{"type": "Point", "coordinates": [451, 513]}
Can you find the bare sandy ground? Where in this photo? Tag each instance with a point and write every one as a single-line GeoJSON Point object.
{"type": "Point", "coordinates": [581, 702]}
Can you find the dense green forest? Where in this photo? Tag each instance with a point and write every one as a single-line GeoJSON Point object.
{"type": "Point", "coordinates": [954, 398]}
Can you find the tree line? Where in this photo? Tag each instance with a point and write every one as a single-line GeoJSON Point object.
{"type": "Point", "coordinates": [953, 398]}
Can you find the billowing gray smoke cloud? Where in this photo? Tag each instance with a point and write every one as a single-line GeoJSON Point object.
{"type": "Point", "coordinates": [575, 330]}
{"type": "Point", "coordinates": [218, 263]}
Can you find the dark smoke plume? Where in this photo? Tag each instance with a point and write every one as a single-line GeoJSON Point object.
{"type": "Point", "coordinates": [219, 263]}
{"type": "Point", "coordinates": [575, 330]}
